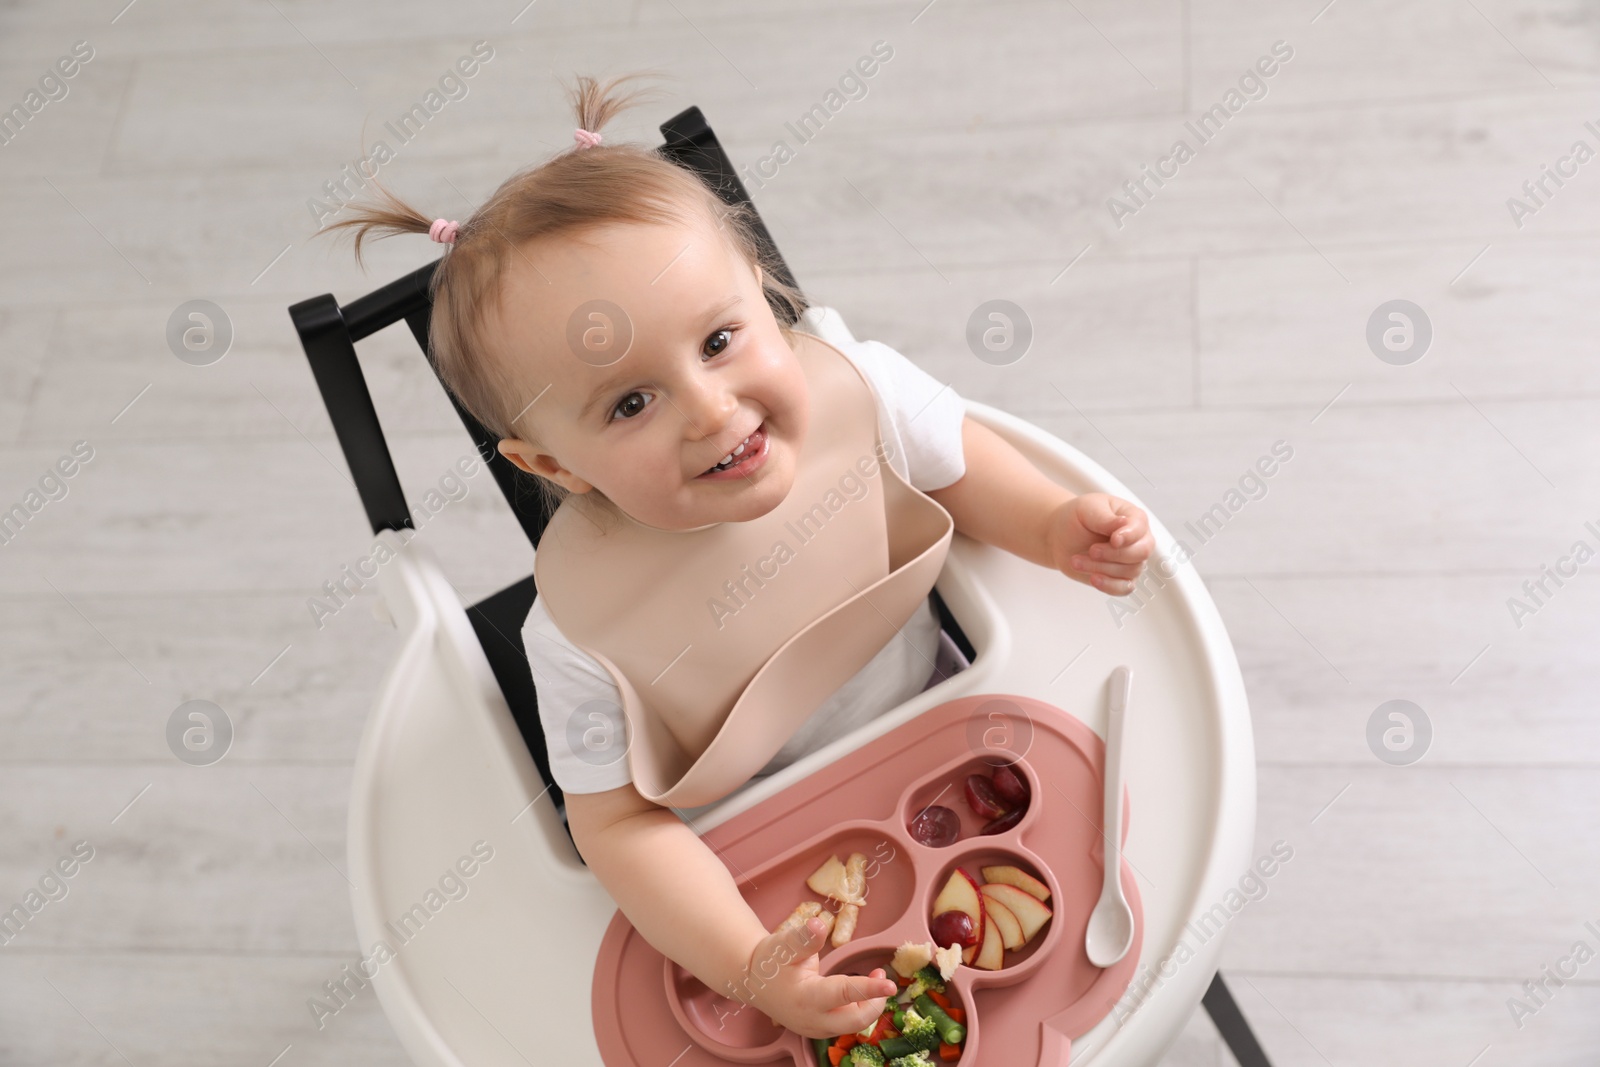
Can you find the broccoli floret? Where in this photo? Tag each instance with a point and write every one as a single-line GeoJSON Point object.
{"type": "Point", "coordinates": [920, 1031]}
{"type": "Point", "coordinates": [863, 1056]}
{"type": "Point", "coordinates": [926, 977]}
{"type": "Point", "coordinates": [919, 1058]}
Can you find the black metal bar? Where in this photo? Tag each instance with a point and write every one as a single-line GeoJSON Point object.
{"type": "Point", "coordinates": [498, 621]}
{"type": "Point", "coordinates": [691, 143]}
{"type": "Point", "coordinates": [947, 622]}
{"type": "Point", "coordinates": [1232, 1025]}
{"type": "Point", "coordinates": [515, 485]}
{"type": "Point", "coordinates": [332, 354]}
{"type": "Point", "coordinates": [366, 315]}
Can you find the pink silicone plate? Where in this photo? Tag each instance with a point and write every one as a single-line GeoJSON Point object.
{"type": "Point", "coordinates": [648, 1011]}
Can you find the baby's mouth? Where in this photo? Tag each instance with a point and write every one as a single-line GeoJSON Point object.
{"type": "Point", "coordinates": [746, 449]}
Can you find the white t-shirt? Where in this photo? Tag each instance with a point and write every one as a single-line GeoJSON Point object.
{"type": "Point", "coordinates": [921, 419]}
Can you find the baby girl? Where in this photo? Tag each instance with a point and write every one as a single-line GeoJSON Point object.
{"type": "Point", "coordinates": [613, 322]}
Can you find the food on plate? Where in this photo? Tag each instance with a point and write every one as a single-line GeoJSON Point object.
{"type": "Point", "coordinates": [990, 954]}
{"type": "Point", "coordinates": [844, 927]}
{"type": "Point", "coordinates": [916, 1026]}
{"type": "Point", "coordinates": [802, 913]}
{"type": "Point", "coordinates": [959, 897]}
{"type": "Point", "coordinates": [855, 883]}
{"type": "Point", "coordinates": [833, 880]}
{"type": "Point", "coordinates": [845, 883]}
{"type": "Point", "coordinates": [1020, 878]}
{"type": "Point", "coordinates": [1030, 912]}
{"type": "Point", "coordinates": [1011, 787]}
{"type": "Point", "coordinates": [982, 798]}
{"type": "Point", "coordinates": [1004, 822]}
{"type": "Point", "coordinates": [936, 826]}
{"type": "Point", "coordinates": [1000, 799]}
{"type": "Point", "coordinates": [990, 918]}
{"type": "Point", "coordinates": [1004, 918]}
{"type": "Point", "coordinates": [954, 928]}
{"type": "Point", "coordinates": [911, 956]}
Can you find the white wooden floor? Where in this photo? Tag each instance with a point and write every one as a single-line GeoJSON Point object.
{"type": "Point", "coordinates": [1227, 312]}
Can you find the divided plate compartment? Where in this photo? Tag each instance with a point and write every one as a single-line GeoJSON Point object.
{"type": "Point", "coordinates": [1045, 991]}
{"type": "Point", "coordinates": [739, 1033]}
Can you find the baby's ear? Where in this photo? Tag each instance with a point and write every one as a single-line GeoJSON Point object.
{"type": "Point", "coordinates": [541, 464]}
{"type": "Point", "coordinates": [516, 450]}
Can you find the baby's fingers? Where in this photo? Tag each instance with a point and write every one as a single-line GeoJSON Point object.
{"type": "Point", "coordinates": [853, 989]}
{"type": "Point", "coordinates": [1100, 566]}
{"type": "Point", "coordinates": [1131, 552]}
{"type": "Point", "coordinates": [1113, 586]}
{"type": "Point", "coordinates": [1134, 526]}
{"type": "Point", "coordinates": [855, 1001]}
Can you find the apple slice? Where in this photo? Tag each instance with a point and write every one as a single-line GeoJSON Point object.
{"type": "Point", "coordinates": [991, 957]}
{"type": "Point", "coordinates": [1021, 879]}
{"type": "Point", "coordinates": [1030, 912]}
{"type": "Point", "coordinates": [1004, 918]}
{"type": "Point", "coordinates": [960, 893]}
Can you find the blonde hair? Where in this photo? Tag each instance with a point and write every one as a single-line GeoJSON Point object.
{"type": "Point", "coordinates": [574, 191]}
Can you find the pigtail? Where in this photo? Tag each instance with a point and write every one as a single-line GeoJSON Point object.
{"type": "Point", "coordinates": [384, 219]}
{"type": "Point", "coordinates": [594, 104]}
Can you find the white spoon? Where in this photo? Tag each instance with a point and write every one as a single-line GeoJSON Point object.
{"type": "Point", "coordinates": [1110, 930]}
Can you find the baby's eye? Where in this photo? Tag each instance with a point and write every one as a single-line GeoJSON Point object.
{"type": "Point", "coordinates": [712, 340]}
{"type": "Point", "coordinates": [623, 403]}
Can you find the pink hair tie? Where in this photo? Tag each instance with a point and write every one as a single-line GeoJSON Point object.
{"type": "Point", "coordinates": [443, 232]}
{"type": "Point", "coordinates": [585, 139]}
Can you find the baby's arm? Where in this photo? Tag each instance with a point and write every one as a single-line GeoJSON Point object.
{"type": "Point", "coordinates": [666, 881]}
{"type": "Point", "coordinates": [683, 900]}
{"type": "Point", "coordinates": [998, 496]}
{"type": "Point", "coordinates": [1004, 500]}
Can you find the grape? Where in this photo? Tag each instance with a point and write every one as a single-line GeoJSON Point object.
{"type": "Point", "coordinates": [1004, 822]}
{"type": "Point", "coordinates": [936, 827]}
{"type": "Point", "coordinates": [953, 928]}
{"type": "Point", "coordinates": [982, 799]}
{"type": "Point", "coordinates": [1011, 787]}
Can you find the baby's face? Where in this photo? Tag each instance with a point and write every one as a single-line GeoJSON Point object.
{"type": "Point", "coordinates": [644, 420]}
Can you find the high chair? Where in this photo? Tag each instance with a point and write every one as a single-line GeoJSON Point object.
{"type": "Point", "coordinates": [459, 854]}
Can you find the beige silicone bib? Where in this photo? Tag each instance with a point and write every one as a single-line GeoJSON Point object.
{"type": "Point", "coordinates": [723, 640]}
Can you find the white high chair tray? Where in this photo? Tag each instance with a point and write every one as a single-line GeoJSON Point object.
{"type": "Point", "coordinates": [501, 974]}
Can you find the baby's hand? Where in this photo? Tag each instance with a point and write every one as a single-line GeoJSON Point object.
{"type": "Point", "coordinates": [1100, 540]}
{"type": "Point", "coordinates": [792, 992]}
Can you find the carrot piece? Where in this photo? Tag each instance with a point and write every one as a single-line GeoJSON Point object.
{"type": "Point", "coordinates": [847, 1042]}
{"type": "Point", "coordinates": [957, 1014]}
{"type": "Point", "coordinates": [835, 1054]}
{"type": "Point", "coordinates": [949, 1052]}
{"type": "Point", "coordinates": [939, 999]}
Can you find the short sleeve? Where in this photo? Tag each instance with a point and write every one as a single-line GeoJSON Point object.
{"type": "Point", "coordinates": [927, 413]}
{"type": "Point", "coordinates": [565, 680]}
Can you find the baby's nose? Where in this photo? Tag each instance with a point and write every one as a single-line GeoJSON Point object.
{"type": "Point", "coordinates": [716, 410]}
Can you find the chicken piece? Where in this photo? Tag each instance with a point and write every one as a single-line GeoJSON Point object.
{"type": "Point", "coordinates": [802, 912]}
{"type": "Point", "coordinates": [855, 876]}
{"type": "Point", "coordinates": [844, 927]}
{"type": "Point", "coordinates": [911, 957]}
{"type": "Point", "coordinates": [832, 880]}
